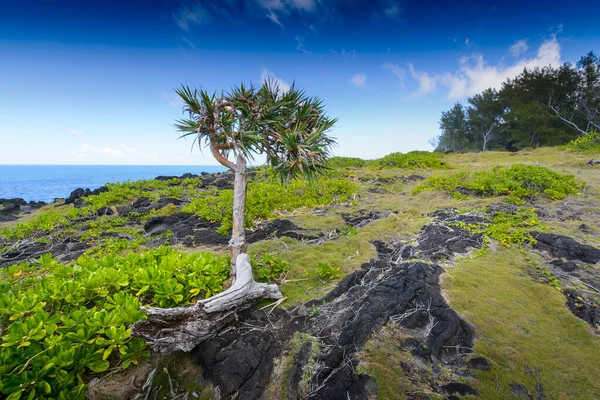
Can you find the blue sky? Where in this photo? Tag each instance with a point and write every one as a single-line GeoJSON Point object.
{"type": "Point", "coordinates": [91, 82]}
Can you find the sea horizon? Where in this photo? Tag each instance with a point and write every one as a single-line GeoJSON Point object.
{"type": "Point", "coordinates": [47, 182]}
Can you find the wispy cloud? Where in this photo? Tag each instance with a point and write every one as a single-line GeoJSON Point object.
{"type": "Point", "coordinates": [358, 80]}
{"type": "Point", "coordinates": [469, 44]}
{"type": "Point", "coordinates": [519, 47]}
{"type": "Point", "coordinates": [188, 16]}
{"type": "Point", "coordinates": [393, 9]}
{"type": "Point", "coordinates": [399, 72]}
{"type": "Point", "coordinates": [279, 8]}
{"type": "Point", "coordinates": [300, 45]}
{"type": "Point", "coordinates": [76, 132]}
{"type": "Point", "coordinates": [345, 54]}
{"type": "Point", "coordinates": [188, 41]}
{"type": "Point", "coordinates": [427, 83]}
{"type": "Point", "coordinates": [172, 98]}
{"type": "Point", "coordinates": [266, 75]}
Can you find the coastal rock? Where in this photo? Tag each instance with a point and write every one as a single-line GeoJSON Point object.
{"type": "Point", "coordinates": [78, 193]}
{"type": "Point", "coordinates": [566, 247]}
{"type": "Point", "coordinates": [11, 208]}
{"type": "Point", "coordinates": [242, 360]}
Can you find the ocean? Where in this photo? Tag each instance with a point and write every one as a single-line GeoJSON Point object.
{"type": "Point", "coordinates": [47, 182]}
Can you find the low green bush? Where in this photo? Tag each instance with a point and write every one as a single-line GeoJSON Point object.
{"type": "Point", "coordinates": [61, 323]}
{"type": "Point", "coordinates": [327, 271]}
{"type": "Point", "coordinates": [588, 143]}
{"type": "Point", "coordinates": [268, 268]}
{"type": "Point", "coordinates": [509, 229]}
{"type": "Point", "coordinates": [265, 197]}
{"type": "Point", "coordinates": [345, 162]}
{"type": "Point", "coordinates": [412, 160]}
{"type": "Point", "coordinates": [519, 182]}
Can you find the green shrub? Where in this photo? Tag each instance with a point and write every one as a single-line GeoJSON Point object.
{"type": "Point", "coordinates": [519, 182]}
{"type": "Point", "coordinates": [509, 229]}
{"type": "Point", "coordinates": [588, 143]}
{"type": "Point", "coordinates": [412, 160]}
{"type": "Point", "coordinates": [268, 268]}
{"type": "Point", "coordinates": [345, 162]}
{"type": "Point", "coordinates": [327, 271]}
{"type": "Point", "coordinates": [44, 222]}
{"type": "Point", "coordinates": [61, 323]}
{"type": "Point", "coordinates": [266, 197]}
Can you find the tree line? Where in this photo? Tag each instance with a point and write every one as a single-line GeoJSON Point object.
{"type": "Point", "coordinates": [546, 106]}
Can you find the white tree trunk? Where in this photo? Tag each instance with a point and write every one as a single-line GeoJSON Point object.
{"type": "Point", "coordinates": [237, 244]}
{"type": "Point", "coordinates": [183, 328]}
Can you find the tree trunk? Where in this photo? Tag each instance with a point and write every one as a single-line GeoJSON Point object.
{"type": "Point", "coordinates": [237, 244]}
{"type": "Point", "coordinates": [183, 328]}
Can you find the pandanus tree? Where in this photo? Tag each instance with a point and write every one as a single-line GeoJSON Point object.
{"type": "Point", "coordinates": [290, 129]}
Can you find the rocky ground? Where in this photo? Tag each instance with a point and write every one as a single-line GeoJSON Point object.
{"type": "Point", "coordinates": [397, 323]}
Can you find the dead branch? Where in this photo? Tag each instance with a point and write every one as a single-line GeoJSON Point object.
{"type": "Point", "coordinates": [183, 328]}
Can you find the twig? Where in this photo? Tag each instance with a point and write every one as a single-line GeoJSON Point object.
{"type": "Point", "coordinates": [31, 359]}
{"type": "Point", "coordinates": [591, 287]}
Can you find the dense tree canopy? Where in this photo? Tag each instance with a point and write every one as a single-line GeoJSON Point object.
{"type": "Point", "coordinates": [540, 107]}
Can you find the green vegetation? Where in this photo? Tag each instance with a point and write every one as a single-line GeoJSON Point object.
{"type": "Point", "coordinates": [60, 323]}
{"type": "Point", "coordinates": [154, 189]}
{"type": "Point", "coordinates": [118, 193]}
{"type": "Point", "coordinates": [524, 329]}
{"type": "Point", "coordinates": [546, 106]}
{"type": "Point", "coordinates": [509, 229]}
{"type": "Point", "coordinates": [298, 340]}
{"type": "Point", "coordinates": [327, 271]}
{"type": "Point", "coordinates": [519, 183]}
{"type": "Point", "coordinates": [270, 269]}
{"type": "Point", "coordinates": [346, 162]}
{"type": "Point", "coordinates": [588, 143]}
{"type": "Point", "coordinates": [412, 160]}
{"type": "Point", "coordinates": [267, 197]}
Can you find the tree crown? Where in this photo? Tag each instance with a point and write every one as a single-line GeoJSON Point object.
{"type": "Point", "coordinates": [289, 127]}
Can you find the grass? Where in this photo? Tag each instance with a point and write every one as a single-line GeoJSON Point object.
{"type": "Point", "coordinates": [523, 327]}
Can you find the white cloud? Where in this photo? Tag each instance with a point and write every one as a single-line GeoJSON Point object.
{"type": "Point", "coordinates": [427, 83]}
{"type": "Point", "coordinates": [186, 17]}
{"type": "Point", "coordinates": [519, 47]}
{"type": "Point", "coordinates": [188, 41]}
{"type": "Point", "coordinates": [300, 45]}
{"type": "Point", "coordinates": [277, 8]}
{"type": "Point", "coordinates": [469, 44]}
{"type": "Point", "coordinates": [345, 54]}
{"type": "Point", "coordinates": [172, 98]}
{"type": "Point", "coordinates": [392, 12]}
{"type": "Point", "coordinates": [266, 75]}
{"type": "Point", "coordinates": [475, 75]}
{"type": "Point", "coordinates": [397, 71]}
{"type": "Point", "coordinates": [76, 132]}
{"type": "Point", "coordinates": [358, 80]}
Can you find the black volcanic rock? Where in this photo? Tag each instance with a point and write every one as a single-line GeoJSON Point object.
{"type": "Point", "coordinates": [566, 247]}
{"type": "Point", "coordinates": [78, 193]}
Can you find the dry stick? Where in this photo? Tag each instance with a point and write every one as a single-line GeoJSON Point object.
{"type": "Point", "coordinates": [591, 287]}
{"type": "Point", "coordinates": [31, 359]}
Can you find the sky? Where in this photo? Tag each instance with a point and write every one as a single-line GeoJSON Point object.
{"type": "Point", "coordinates": [92, 82]}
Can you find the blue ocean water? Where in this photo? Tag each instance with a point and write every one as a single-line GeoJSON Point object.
{"type": "Point", "coordinates": [47, 182]}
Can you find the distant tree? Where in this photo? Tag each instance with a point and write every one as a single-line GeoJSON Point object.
{"type": "Point", "coordinates": [528, 119]}
{"type": "Point", "coordinates": [485, 116]}
{"type": "Point", "coordinates": [288, 127]}
{"type": "Point", "coordinates": [581, 109]}
{"type": "Point", "coordinates": [455, 130]}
